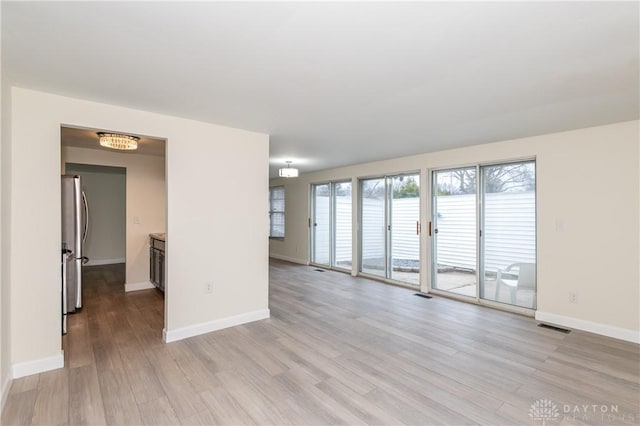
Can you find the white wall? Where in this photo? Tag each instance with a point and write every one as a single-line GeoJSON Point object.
{"type": "Point", "coordinates": [587, 184]}
{"type": "Point", "coordinates": [5, 295]}
{"type": "Point", "coordinates": [146, 199]}
{"type": "Point", "coordinates": [105, 189]}
{"type": "Point", "coordinates": [206, 241]}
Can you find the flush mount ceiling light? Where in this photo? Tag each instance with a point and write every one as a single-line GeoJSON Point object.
{"type": "Point", "coordinates": [118, 141]}
{"type": "Point", "coordinates": [288, 172]}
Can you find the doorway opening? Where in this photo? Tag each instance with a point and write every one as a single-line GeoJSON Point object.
{"type": "Point", "coordinates": [105, 192]}
{"type": "Point", "coordinates": [126, 197]}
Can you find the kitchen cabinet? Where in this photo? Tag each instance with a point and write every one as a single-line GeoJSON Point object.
{"type": "Point", "coordinates": [156, 260]}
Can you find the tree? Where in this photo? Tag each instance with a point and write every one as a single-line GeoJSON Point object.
{"type": "Point", "coordinates": [406, 188]}
{"type": "Point", "coordinates": [373, 189]}
{"type": "Point", "coordinates": [518, 177]}
{"type": "Point", "coordinates": [510, 178]}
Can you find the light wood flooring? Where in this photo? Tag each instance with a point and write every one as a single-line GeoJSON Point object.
{"type": "Point", "coordinates": [337, 350]}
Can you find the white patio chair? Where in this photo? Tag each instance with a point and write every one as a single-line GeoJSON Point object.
{"type": "Point", "coordinates": [516, 276]}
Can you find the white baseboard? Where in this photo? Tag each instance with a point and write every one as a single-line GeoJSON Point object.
{"type": "Point", "coordinates": [96, 262]}
{"type": "Point", "coordinates": [28, 368]}
{"type": "Point", "coordinates": [207, 327]}
{"type": "Point", "coordinates": [138, 286]}
{"type": "Point", "coordinates": [4, 391]}
{"type": "Point", "coordinates": [289, 259]}
{"type": "Point", "coordinates": [590, 326]}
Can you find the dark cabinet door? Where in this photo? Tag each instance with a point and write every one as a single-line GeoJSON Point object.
{"type": "Point", "coordinates": [156, 263]}
{"type": "Point", "coordinates": [160, 270]}
{"type": "Point", "coordinates": [152, 263]}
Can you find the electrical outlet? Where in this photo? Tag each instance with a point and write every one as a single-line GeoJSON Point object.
{"type": "Point", "coordinates": [208, 287]}
{"type": "Point", "coordinates": [573, 297]}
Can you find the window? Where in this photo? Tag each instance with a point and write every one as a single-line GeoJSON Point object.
{"type": "Point", "coordinates": [276, 212]}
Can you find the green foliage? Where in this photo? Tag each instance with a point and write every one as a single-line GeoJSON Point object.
{"type": "Point", "coordinates": [409, 189]}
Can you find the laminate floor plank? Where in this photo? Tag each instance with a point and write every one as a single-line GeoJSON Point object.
{"type": "Point", "coordinates": [79, 340]}
{"type": "Point", "coordinates": [253, 399]}
{"type": "Point", "coordinates": [180, 393]}
{"type": "Point", "coordinates": [194, 369]}
{"type": "Point", "coordinates": [323, 408]}
{"type": "Point", "coordinates": [361, 407]}
{"type": "Point", "coordinates": [144, 383]}
{"type": "Point", "coordinates": [407, 413]}
{"type": "Point", "coordinates": [85, 398]}
{"type": "Point", "coordinates": [119, 403]}
{"type": "Point", "coordinates": [158, 412]}
{"type": "Point", "coordinates": [52, 402]}
{"type": "Point", "coordinates": [202, 418]}
{"type": "Point", "coordinates": [337, 350]}
{"type": "Point", "coordinates": [25, 383]}
{"type": "Point", "coordinates": [18, 410]}
{"type": "Point", "coordinates": [225, 409]}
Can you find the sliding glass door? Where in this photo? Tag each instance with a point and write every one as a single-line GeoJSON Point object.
{"type": "Point", "coordinates": [390, 227]}
{"type": "Point", "coordinates": [331, 219]}
{"type": "Point", "coordinates": [509, 234]}
{"type": "Point", "coordinates": [484, 232]}
{"type": "Point", "coordinates": [342, 230]}
{"type": "Point", "coordinates": [454, 231]}
{"type": "Point", "coordinates": [404, 233]}
{"type": "Point", "coordinates": [320, 224]}
{"type": "Point", "coordinates": [373, 227]}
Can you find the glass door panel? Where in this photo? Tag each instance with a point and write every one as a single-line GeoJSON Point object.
{"type": "Point", "coordinates": [454, 231]}
{"type": "Point", "coordinates": [373, 233]}
{"type": "Point", "coordinates": [320, 229]}
{"type": "Point", "coordinates": [509, 234]}
{"type": "Point", "coordinates": [404, 235]}
{"type": "Point", "coordinates": [342, 219]}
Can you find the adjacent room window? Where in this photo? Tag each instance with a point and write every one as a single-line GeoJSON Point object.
{"type": "Point", "coordinates": [276, 212]}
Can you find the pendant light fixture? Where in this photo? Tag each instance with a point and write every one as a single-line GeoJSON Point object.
{"type": "Point", "coordinates": [118, 141]}
{"type": "Point", "coordinates": [288, 172]}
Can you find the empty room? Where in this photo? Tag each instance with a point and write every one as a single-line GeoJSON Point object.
{"type": "Point", "coordinates": [320, 213]}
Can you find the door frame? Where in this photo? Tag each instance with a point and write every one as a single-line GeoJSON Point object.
{"type": "Point", "coordinates": [312, 233]}
{"type": "Point", "coordinates": [388, 255]}
{"type": "Point", "coordinates": [479, 241]}
{"type": "Point", "coordinates": [332, 227]}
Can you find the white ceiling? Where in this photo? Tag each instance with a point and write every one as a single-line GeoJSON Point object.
{"type": "Point", "coordinates": [340, 83]}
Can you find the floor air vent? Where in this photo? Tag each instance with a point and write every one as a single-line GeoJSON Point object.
{"type": "Point", "coordinates": [426, 296]}
{"type": "Point", "coordinates": [319, 270]}
{"type": "Point", "coordinates": [554, 328]}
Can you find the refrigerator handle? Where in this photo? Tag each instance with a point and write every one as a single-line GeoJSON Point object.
{"type": "Point", "coordinates": [86, 217]}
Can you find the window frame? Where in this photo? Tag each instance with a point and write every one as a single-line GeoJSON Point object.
{"type": "Point", "coordinates": [272, 190]}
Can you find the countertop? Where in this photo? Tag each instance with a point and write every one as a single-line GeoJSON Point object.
{"type": "Point", "coordinates": [159, 236]}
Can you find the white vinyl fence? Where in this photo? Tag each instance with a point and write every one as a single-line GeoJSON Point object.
{"type": "Point", "coordinates": [343, 230]}
{"type": "Point", "coordinates": [509, 230]}
{"type": "Point", "coordinates": [405, 243]}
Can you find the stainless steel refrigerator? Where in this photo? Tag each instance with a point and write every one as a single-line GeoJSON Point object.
{"type": "Point", "coordinates": [75, 224]}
